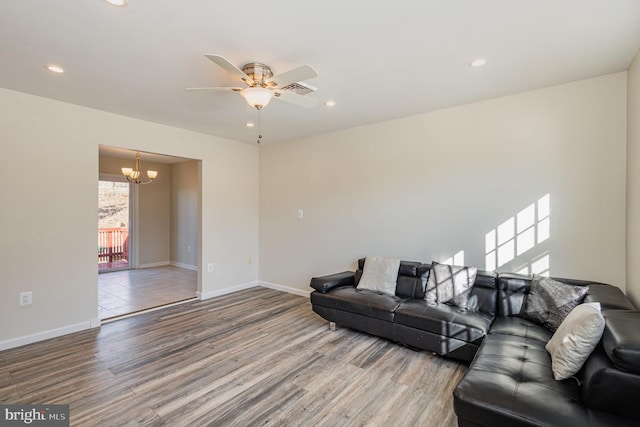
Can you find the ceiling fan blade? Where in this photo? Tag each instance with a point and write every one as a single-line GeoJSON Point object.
{"type": "Point", "coordinates": [298, 74]}
{"type": "Point", "coordinates": [216, 89]}
{"type": "Point", "coordinates": [294, 98]}
{"type": "Point", "coordinates": [228, 66]}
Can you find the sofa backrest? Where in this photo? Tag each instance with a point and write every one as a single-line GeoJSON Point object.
{"type": "Point", "coordinates": [484, 292]}
{"type": "Point", "coordinates": [513, 289]}
{"type": "Point", "coordinates": [412, 281]}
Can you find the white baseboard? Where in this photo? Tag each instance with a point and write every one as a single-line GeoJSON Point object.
{"type": "Point", "coordinates": [95, 322]}
{"type": "Point", "coordinates": [155, 264]}
{"type": "Point", "coordinates": [295, 291]}
{"type": "Point", "coordinates": [225, 291]}
{"type": "Point", "coordinates": [45, 335]}
{"type": "Point", "coordinates": [231, 289]}
{"type": "Point", "coordinates": [182, 265]}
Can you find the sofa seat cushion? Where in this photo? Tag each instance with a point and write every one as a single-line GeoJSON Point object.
{"type": "Point", "coordinates": [359, 301]}
{"type": "Point", "coordinates": [510, 383]}
{"type": "Point", "coordinates": [443, 319]}
{"type": "Point", "coordinates": [520, 327]}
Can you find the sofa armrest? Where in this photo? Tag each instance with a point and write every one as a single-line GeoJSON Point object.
{"type": "Point", "coordinates": [325, 283]}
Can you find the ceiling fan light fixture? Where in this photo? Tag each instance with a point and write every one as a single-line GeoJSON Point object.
{"type": "Point", "coordinates": [258, 97]}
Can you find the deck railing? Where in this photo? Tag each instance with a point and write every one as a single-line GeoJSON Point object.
{"type": "Point", "coordinates": [113, 244]}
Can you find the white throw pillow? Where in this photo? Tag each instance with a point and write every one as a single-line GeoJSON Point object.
{"type": "Point", "coordinates": [380, 274]}
{"type": "Point", "coordinates": [575, 339]}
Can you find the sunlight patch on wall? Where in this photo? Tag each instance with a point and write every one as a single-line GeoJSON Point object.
{"type": "Point", "coordinates": [519, 235]}
{"type": "Point", "coordinates": [457, 259]}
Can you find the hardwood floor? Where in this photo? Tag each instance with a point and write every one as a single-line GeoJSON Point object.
{"type": "Point", "coordinates": [256, 357]}
{"type": "Point", "coordinates": [128, 291]}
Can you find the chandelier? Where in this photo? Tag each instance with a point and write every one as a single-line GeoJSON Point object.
{"type": "Point", "coordinates": [137, 176]}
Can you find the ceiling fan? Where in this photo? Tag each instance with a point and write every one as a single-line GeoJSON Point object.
{"type": "Point", "coordinates": [262, 85]}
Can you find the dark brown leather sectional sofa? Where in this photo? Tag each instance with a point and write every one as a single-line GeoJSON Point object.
{"type": "Point", "coordinates": [509, 381]}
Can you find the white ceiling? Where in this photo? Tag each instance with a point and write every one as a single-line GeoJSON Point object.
{"type": "Point", "coordinates": [378, 60]}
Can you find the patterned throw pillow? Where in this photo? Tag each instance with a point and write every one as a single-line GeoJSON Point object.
{"type": "Point", "coordinates": [450, 284]}
{"type": "Point", "coordinates": [550, 301]}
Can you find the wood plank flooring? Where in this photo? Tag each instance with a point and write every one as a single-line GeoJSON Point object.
{"type": "Point", "coordinates": [256, 357]}
{"type": "Point", "coordinates": [128, 291]}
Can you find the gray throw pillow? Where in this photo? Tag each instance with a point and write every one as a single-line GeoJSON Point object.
{"type": "Point", "coordinates": [380, 274]}
{"type": "Point", "coordinates": [550, 301]}
{"type": "Point", "coordinates": [450, 284]}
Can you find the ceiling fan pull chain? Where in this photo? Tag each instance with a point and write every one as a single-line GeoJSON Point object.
{"type": "Point", "coordinates": [259, 125]}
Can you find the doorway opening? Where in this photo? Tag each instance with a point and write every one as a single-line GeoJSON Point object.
{"type": "Point", "coordinates": [148, 238]}
{"type": "Point", "coordinates": [114, 217]}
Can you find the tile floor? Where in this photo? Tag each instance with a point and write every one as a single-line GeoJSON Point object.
{"type": "Point", "coordinates": [121, 263]}
{"type": "Point", "coordinates": [123, 292]}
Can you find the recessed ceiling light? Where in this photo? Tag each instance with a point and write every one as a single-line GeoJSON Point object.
{"type": "Point", "coordinates": [119, 3]}
{"type": "Point", "coordinates": [249, 124]}
{"type": "Point", "coordinates": [330, 103]}
{"type": "Point", "coordinates": [478, 62]}
{"type": "Point", "coordinates": [55, 69]}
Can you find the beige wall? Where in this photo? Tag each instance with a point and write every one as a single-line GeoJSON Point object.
{"type": "Point", "coordinates": [184, 213]}
{"type": "Point", "coordinates": [154, 224]}
{"type": "Point", "coordinates": [153, 211]}
{"type": "Point", "coordinates": [633, 181]}
{"type": "Point", "coordinates": [423, 187]}
{"type": "Point", "coordinates": [49, 170]}
{"type": "Point", "coordinates": [429, 186]}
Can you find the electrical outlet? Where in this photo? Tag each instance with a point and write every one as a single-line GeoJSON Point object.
{"type": "Point", "coordinates": [26, 298]}
{"type": "Point", "coordinates": [188, 249]}
{"type": "Point", "coordinates": [300, 214]}
{"type": "Point", "coordinates": [210, 267]}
